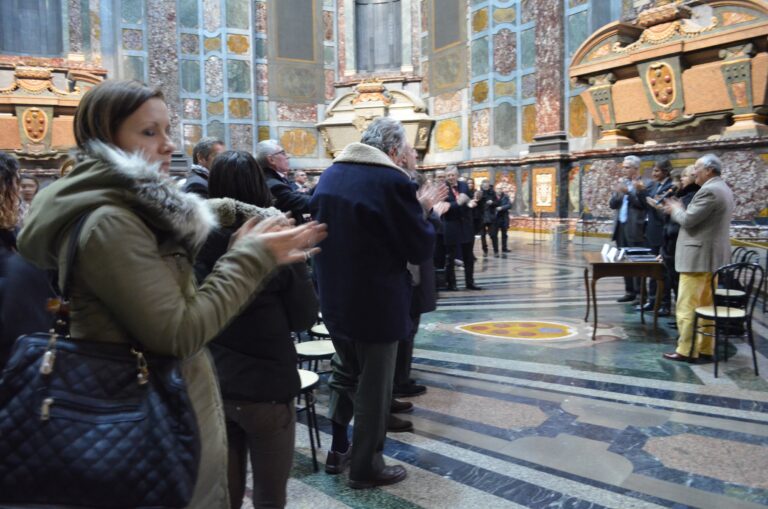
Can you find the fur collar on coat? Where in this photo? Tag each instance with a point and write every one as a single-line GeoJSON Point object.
{"type": "Point", "coordinates": [360, 153]}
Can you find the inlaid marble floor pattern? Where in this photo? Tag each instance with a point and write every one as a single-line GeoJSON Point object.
{"type": "Point", "coordinates": [524, 410]}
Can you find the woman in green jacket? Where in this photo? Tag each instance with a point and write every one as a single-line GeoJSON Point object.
{"type": "Point", "coordinates": [133, 277]}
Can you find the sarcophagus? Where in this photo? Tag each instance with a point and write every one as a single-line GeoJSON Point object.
{"type": "Point", "coordinates": [679, 64]}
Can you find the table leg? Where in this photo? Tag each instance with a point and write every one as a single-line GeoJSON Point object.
{"type": "Point", "coordinates": [642, 300]}
{"type": "Point", "coordinates": [659, 293]}
{"type": "Point", "coordinates": [594, 305]}
{"type": "Point", "coordinates": [586, 285]}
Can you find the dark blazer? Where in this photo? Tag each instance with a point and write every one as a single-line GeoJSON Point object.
{"type": "Point", "coordinates": [457, 222]}
{"type": "Point", "coordinates": [502, 216]}
{"type": "Point", "coordinates": [375, 226]}
{"type": "Point", "coordinates": [287, 199]}
{"type": "Point", "coordinates": [197, 181]}
{"type": "Point", "coordinates": [654, 230]}
{"type": "Point", "coordinates": [671, 228]}
{"type": "Point", "coordinates": [489, 209]}
{"type": "Point", "coordinates": [254, 355]}
{"type": "Point", "coordinates": [636, 213]}
{"type": "Point", "coordinates": [425, 293]}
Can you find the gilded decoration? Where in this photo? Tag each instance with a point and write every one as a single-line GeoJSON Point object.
{"type": "Point", "coordinates": [35, 81]}
{"type": "Point", "coordinates": [448, 134]}
{"type": "Point", "coordinates": [372, 91]}
{"type": "Point", "coordinates": [264, 133]}
{"type": "Point", "coordinates": [544, 189]}
{"type": "Point", "coordinates": [504, 15]}
{"type": "Point", "coordinates": [298, 142]}
{"type": "Point", "coordinates": [480, 20]}
{"type": "Point", "coordinates": [662, 83]}
{"type": "Point", "coordinates": [215, 108]}
{"type": "Point", "coordinates": [480, 92]}
{"type": "Point", "coordinates": [240, 108]}
{"type": "Point", "coordinates": [577, 117]}
{"type": "Point", "coordinates": [212, 44]}
{"type": "Point", "coordinates": [734, 18]}
{"type": "Point", "coordinates": [238, 44]}
{"type": "Point", "coordinates": [35, 123]}
{"type": "Point", "coordinates": [505, 88]}
{"type": "Point", "coordinates": [529, 123]}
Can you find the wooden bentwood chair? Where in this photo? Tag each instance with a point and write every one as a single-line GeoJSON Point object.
{"type": "Point", "coordinates": [735, 288]}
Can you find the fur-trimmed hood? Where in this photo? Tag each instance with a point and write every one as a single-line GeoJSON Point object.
{"type": "Point", "coordinates": [231, 212]}
{"type": "Point", "coordinates": [360, 153]}
{"type": "Point", "coordinates": [109, 176]}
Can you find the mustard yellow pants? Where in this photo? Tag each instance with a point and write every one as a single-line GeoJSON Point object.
{"type": "Point", "coordinates": [694, 291]}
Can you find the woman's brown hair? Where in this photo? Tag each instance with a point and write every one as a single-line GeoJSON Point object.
{"type": "Point", "coordinates": [104, 107]}
{"type": "Point", "coordinates": [9, 191]}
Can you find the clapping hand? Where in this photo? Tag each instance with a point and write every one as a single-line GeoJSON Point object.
{"type": "Point", "coordinates": [441, 208]}
{"type": "Point", "coordinates": [287, 243]}
{"type": "Point", "coordinates": [672, 204]}
{"type": "Point", "coordinates": [430, 194]}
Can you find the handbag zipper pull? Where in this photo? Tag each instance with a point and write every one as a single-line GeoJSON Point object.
{"type": "Point", "coordinates": [49, 357]}
{"type": "Point", "coordinates": [45, 409]}
{"type": "Point", "coordinates": [141, 367]}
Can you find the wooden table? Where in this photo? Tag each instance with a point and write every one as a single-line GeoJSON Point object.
{"type": "Point", "coordinates": [602, 267]}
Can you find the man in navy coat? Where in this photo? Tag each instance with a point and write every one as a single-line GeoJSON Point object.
{"type": "Point", "coordinates": [375, 227]}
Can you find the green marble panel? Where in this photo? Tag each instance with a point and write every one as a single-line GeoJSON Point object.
{"type": "Point", "coordinates": [132, 11]}
{"type": "Point", "coordinates": [528, 48]}
{"type": "Point", "coordinates": [239, 76]}
{"type": "Point", "coordinates": [329, 55]}
{"type": "Point", "coordinates": [190, 76]}
{"type": "Point", "coordinates": [216, 129]}
{"type": "Point", "coordinates": [480, 64]}
{"type": "Point", "coordinates": [188, 13]}
{"type": "Point", "coordinates": [133, 68]}
{"type": "Point", "coordinates": [237, 14]}
{"type": "Point", "coordinates": [260, 48]}
{"type": "Point", "coordinates": [262, 110]}
{"type": "Point", "coordinates": [505, 125]}
{"type": "Point", "coordinates": [578, 30]}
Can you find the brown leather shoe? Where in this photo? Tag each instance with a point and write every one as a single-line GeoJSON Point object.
{"type": "Point", "coordinates": [400, 407]}
{"type": "Point", "coordinates": [336, 462]}
{"type": "Point", "coordinates": [674, 356]}
{"type": "Point", "coordinates": [389, 475]}
{"type": "Point", "coordinates": [397, 425]}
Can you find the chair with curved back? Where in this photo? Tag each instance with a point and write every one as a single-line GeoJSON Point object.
{"type": "Point", "coordinates": [731, 313]}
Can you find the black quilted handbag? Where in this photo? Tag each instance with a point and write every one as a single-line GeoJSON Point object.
{"type": "Point", "coordinates": [94, 424]}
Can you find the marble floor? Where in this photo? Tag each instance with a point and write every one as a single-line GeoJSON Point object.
{"type": "Point", "coordinates": [523, 409]}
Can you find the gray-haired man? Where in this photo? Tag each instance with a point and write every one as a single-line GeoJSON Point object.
{"type": "Point", "coordinates": [275, 163]}
{"type": "Point", "coordinates": [203, 154]}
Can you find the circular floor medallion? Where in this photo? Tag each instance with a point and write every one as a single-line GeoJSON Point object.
{"type": "Point", "coordinates": [519, 329]}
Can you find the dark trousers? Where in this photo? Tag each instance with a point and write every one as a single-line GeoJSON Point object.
{"type": "Point", "coordinates": [439, 256]}
{"type": "Point", "coordinates": [495, 229]}
{"type": "Point", "coordinates": [267, 432]}
{"type": "Point", "coordinates": [487, 229]}
{"type": "Point", "coordinates": [405, 356]}
{"type": "Point", "coordinates": [361, 387]}
{"type": "Point", "coordinates": [631, 284]}
{"type": "Point", "coordinates": [672, 275]}
{"type": "Point", "coordinates": [469, 264]}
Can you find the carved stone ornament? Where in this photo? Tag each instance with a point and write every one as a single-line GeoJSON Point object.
{"type": "Point", "coordinates": [35, 81]}
{"type": "Point", "coordinates": [661, 81]}
{"type": "Point", "coordinates": [372, 91]}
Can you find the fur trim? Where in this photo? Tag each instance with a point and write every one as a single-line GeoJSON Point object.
{"type": "Point", "coordinates": [360, 153]}
{"type": "Point", "coordinates": [227, 211]}
{"type": "Point", "coordinates": [186, 214]}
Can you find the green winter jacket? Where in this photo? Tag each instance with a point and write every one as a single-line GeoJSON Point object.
{"type": "Point", "coordinates": [134, 279]}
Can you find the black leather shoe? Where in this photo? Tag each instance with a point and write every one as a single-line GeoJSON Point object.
{"type": "Point", "coordinates": [337, 462]}
{"type": "Point", "coordinates": [407, 391]}
{"type": "Point", "coordinates": [388, 475]}
{"type": "Point", "coordinates": [648, 307]}
{"type": "Point", "coordinates": [506, 251]}
{"type": "Point", "coordinates": [400, 407]}
{"type": "Point", "coordinates": [629, 297]}
{"type": "Point", "coordinates": [473, 287]}
{"type": "Point", "coordinates": [674, 356]}
{"type": "Point", "coordinates": [664, 311]}
{"type": "Point", "coordinates": [495, 255]}
{"type": "Point", "coordinates": [398, 425]}
{"type": "Point", "coordinates": [451, 288]}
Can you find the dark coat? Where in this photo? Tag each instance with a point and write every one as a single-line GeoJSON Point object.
{"type": "Point", "coordinates": [457, 222]}
{"type": "Point", "coordinates": [502, 216]}
{"type": "Point", "coordinates": [197, 181]}
{"type": "Point", "coordinates": [375, 227]}
{"type": "Point", "coordinates": [654, 230]}
{"type": "Point", "coordinates": [425, 292]}
{"type": "Point", "coordinates": [636, 213]}
{"type": "Point", "coordinates": [254, 355]}
{"type": "Point", "coordinates": [489, 209]}
{"type": "Point", "coordinates": [286, 197]}
{"type": "Point", "coordinates": [24, 293]}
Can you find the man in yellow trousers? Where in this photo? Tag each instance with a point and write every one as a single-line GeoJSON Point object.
{"type": "Point", "coordinates": [702, 246]}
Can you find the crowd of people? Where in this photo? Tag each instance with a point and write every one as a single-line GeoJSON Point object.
{"type": "Point", "coordinates": [222, 270]}
{"type": "Point", "coordinates": [683, 217]}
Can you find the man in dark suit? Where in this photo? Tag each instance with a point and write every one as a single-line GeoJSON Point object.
{"type": "Point", "coordinates": [654, 231]}
{"type": "Point", "coordinates": [628, 199]}
{"type": "Point", "coordinates": [458, 231]}
{"type": "Point", "coordinates": [203, 154]}
{"type": "Point", "coordinates": [376, 227]}
{"type": "Point", "coordinates": [276, 165]}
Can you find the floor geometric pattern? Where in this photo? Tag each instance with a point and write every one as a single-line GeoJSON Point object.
{"type": "Point", "coordinates": [518, 329]}
{"type": "Point", "coordinates": [561, 423]}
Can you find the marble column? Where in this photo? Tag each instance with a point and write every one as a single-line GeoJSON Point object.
{"type": "Point", "coordinates": [163, 58]}
{"type": "Point", "coordinates": [550, 76]}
